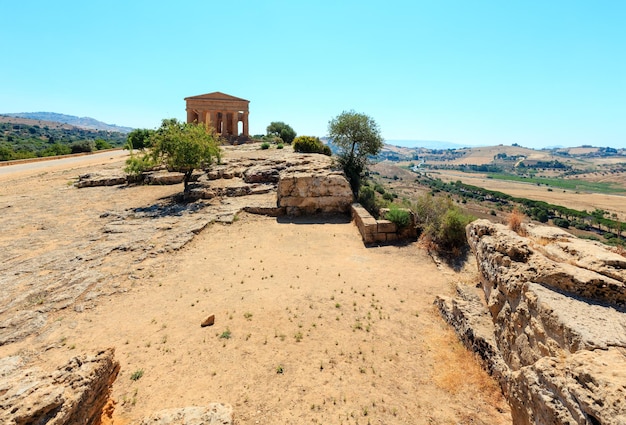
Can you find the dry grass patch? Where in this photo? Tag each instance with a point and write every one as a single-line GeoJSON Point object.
{"type": "Point", "coordinates": [515, 221]}
{"type": "Point", "coordinates": [459, 371]}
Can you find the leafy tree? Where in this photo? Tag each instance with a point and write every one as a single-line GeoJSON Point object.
{"type": "Point", "coordinates": [282, 130]}
{"type": "Point", "coordinates": [139, 138]}
{"type": "Point", "coordinates": [357, 136]}
{"type": "Point", "coordinates": [184, 147]}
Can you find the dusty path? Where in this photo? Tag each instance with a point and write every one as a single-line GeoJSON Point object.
{"type": "Point", "coordinates": [311, 326]}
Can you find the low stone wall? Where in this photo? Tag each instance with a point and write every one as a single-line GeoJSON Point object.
{"type": "Point", "coordinates": [373, 230]}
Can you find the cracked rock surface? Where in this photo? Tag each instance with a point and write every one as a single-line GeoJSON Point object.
{"type": "Point", "coordinates": [551, 324]}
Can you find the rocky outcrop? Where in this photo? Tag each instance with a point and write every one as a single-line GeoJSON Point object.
{"type": "Point", "coordinates": [74, 394]}
{"type": "Point", "coordinates": [111, 178]}
{"type": "Point", "coordinates": [551, 325]}
{"type": "Point", "coordinates": [213, 414]}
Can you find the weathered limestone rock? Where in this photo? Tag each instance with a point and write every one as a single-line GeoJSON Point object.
{"type": "Point", "coordinates": [324, 191]}
{"type": "Point", "coordinates": [71, 395]}
{"type": "Point", "coordinates": [559, 329]}
{"type": "Point", "coordinates": [587, 387]}
{"type": "Point", "coordinates": [213, 414]}
{"type": "Point", "coordinates": [163, 177]}
{"type": "Point", "coordinates": [101, 179]}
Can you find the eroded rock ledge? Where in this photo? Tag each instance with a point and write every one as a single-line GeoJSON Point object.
{"type": "Point", "coordinates": [75, 393]}
{"type": "Point", "coordinates": [549, 323]}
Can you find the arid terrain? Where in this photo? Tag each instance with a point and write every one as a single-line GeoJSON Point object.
{"type": "Point", "coordinates": [310, 325]}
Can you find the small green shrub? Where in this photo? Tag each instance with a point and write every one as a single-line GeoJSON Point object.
{"type": "Point", "coordinates": [309, 144]}
{"type": "Point", "coordinates": [265, 145]}
{"type": "Point", "coordinates": [280, 146]}
{"type": "Point", "coordinates": [401, 217]}
{"type": "Point", "coordinates": [135, 165]}
{"type": "Point", "coordinates": [367, 199]}
{"type": "Point", "coordinates": [136, 375]}
{"type": "Point", "coordinates": [388, 196]}
{"type": "Point", "coordinates": [226, 334]}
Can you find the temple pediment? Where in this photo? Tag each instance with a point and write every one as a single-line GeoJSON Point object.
{"type": "Point", "coordinates": [216, 96]}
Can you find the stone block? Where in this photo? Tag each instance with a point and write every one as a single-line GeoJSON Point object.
{"type": "Point", "coordinates": [386, 226]}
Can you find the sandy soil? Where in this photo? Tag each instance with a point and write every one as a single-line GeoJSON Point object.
{"type": "Point", "coordinates": [310, 325]}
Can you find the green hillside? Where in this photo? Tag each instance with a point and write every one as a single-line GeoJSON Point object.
{"type": "Point", "coordinates": [23, 138]}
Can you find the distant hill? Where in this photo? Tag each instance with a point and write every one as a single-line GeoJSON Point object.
{"type": "Point", "coordinates": [82, 122]}
{"type": "Point", "coordinates": [22, 138]}
{"type": "Point", "coordinates": [428, 144]}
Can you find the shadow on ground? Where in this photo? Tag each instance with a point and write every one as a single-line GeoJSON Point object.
{"type": "Point", "coordinates": [316, 219]}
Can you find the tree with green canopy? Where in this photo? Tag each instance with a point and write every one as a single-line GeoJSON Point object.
{"type": "Point", "coordinates": [282, 130]}
{"type": "Point", "coordinates": [357, 136]}
{"type": "Point", "coordinates": [181, 147]}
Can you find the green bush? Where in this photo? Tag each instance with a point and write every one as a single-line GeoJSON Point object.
{"type": "Point", "coordinates": [442, 223]}
{"type": "Point", "coordinates": [367, 199]}
{"type": "Point", "coordinates": [308, 144]}
{"type": "Point", "coordinates": [401, 217]}
{"type": "Point", "coordinates": [82, 146]}
{"type": "Point", "coordinates": [135, 165]}
{"type": "Point", "coordinates": [561, 222]}
{"type": "Point", "coordinates": [102, 144]}
{"type": "Point", "coordinates": [280, 146]}
{"type": "Point", "coordinates": [265, 145]}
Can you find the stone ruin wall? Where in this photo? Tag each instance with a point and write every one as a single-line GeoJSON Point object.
{"type": "Point", "coordinates": [381, 231]}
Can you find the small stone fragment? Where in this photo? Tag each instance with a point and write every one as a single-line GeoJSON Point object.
{"type": "Point", "coordinates": [209, 321]}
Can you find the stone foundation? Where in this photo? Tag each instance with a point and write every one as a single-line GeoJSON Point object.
{"type": "Point", "coordinates": [380, 231]}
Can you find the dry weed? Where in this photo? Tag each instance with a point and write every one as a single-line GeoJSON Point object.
{"type": "Point", "coordinates": [620, 250]}
{"type": "Point", "coordinates": [515, 220]}
{"type": "Point", "coordinates": [458, 370]}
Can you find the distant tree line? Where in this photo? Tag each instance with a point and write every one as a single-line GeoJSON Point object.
{"type": "Point", "coordinates": [597, 220]}
{"type": "Point", "coordinates": [21, 141]}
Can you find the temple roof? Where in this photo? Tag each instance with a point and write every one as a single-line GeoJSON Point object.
{"type": "Point", "coordinates": [217, 96]}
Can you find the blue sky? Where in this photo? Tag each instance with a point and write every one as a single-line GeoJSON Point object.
{"type": "Point", "coordinates": [537, 73]}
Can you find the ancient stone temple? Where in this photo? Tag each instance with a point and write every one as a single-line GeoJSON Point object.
{"type": "Point", "coordinates": [222, 111]}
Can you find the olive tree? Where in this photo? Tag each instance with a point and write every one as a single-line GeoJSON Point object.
{"type": "Point", "coordinates": [184, 147]}
{"type": "Point", "coordinates": [282, 130]}
{"type": "Point", "coordinates": [357, 136]}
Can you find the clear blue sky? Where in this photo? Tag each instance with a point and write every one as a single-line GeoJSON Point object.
{"type": "Point", "coordinates": [537, 73]}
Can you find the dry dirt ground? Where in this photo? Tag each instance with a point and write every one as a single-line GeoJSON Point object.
{"type": "Point", "coordinates": [310, 325]}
